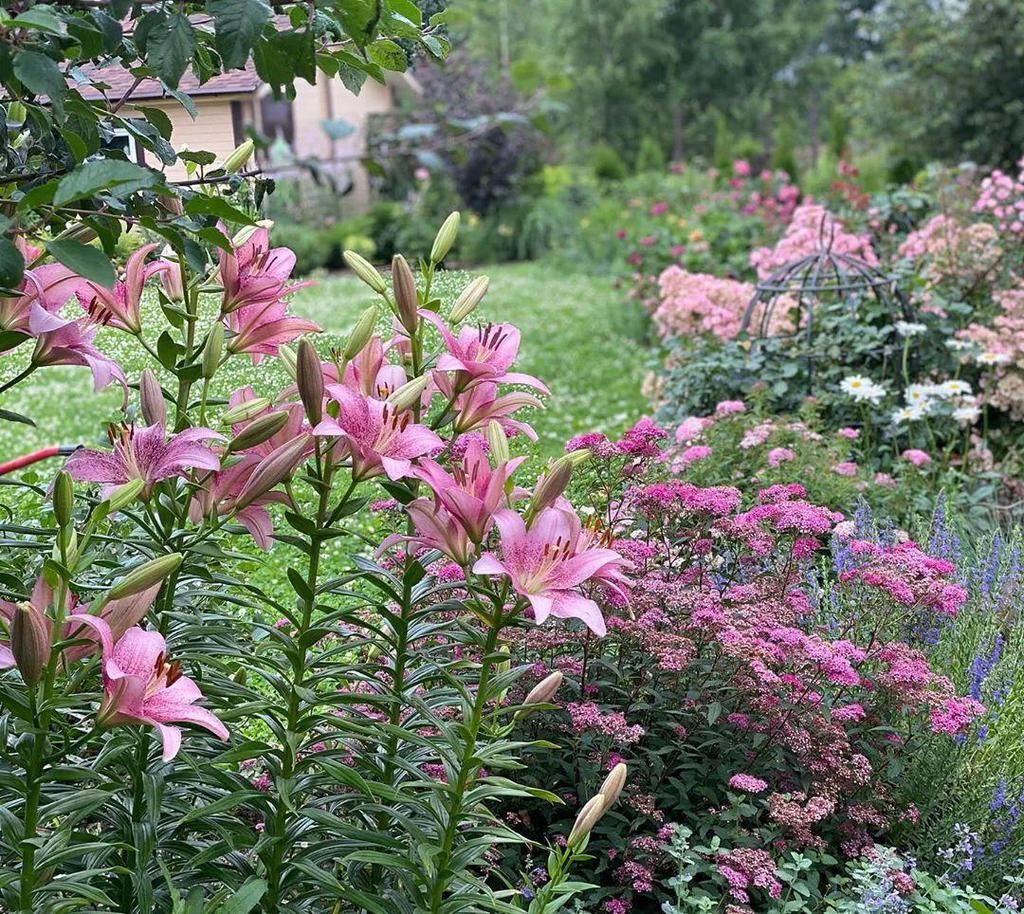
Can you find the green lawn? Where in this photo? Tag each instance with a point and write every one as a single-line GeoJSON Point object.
{"type": "Point", "coordinates": [574, 338]}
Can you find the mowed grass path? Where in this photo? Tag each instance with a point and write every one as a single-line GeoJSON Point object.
{"type": "Point", "coordinates": [575, 339]}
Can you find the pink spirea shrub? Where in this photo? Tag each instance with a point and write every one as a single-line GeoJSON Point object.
{"type": "Point", "coordinates": [763, 681]}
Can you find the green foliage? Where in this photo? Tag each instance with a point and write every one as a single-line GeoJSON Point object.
{"type": "Point", "coordinates": [314, 248]}
{"type": "Point", "coordinates": [607, 163]}
{"type": "Point", "coordinates": [650, 156]}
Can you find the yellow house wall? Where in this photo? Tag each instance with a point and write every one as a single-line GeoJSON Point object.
{"type": "Point", "coordinates": [212, 130]}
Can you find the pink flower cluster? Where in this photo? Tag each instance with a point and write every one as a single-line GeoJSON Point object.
{"type": "Point", "coordinates": [1002, 197]}
{"type": "Point", "coordinates": [745, 868]}
{"type": "Point", "coordinates": [696, 303]}
{"type": "Point", "coordinates": [811, 229]}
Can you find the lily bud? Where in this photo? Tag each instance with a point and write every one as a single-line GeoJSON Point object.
{"type": "Point", "coordinates": [406, 300]}
{"type": "Point", "coordinates": [579, 456]}
{"type": "Point", "coordinates": [497, 442]}
{"type": "Point", "coordinates": [170, 204]}
{"type": "Point", "coordinates": [551, 485]}
{"type": "Point", "coordinates": [213, 350]}
{"type": "Point", "coordinates": [239, 157]}
{"type": "Point", "coordinates": [468, 299]}
{"type": "Point", "coordinates": [589, 816]}
{"type": "Point", "coordinates": [125, 495]}
{"type": "Point", "coordinates": [256, 432]}
{"type": "Point", "coordinates": [361, 333]}
{"type": "Point", "coordinates": [365, 271]}
{"type": "Point", "coordinates": [245, 410]}
{"type": "Point", "coordinates": [63, 499]}
{"type": "Point", "coordinates": [30, 641]}
{"type": "Point", "coordinates": [277, 466]}
{"type": "Point", "coordinates": [16, 114]}
{"type": "Point", "coordinates": [171, 279]}
{"type": "Point", "coordinates": [445, 238]}
{"type": "Point", "coordinates": [78, 232]}
{"type": "Point", "coordinates": [613, 784]}
{"type": "Point", "coordinates": [145, 576]}
{"type": "Point", "coordinates": [247, 231]}
{"type": "Point", "coordinates": [286, 355]}
{"type": "Point", "coordinates": [309, 377]}
{"type": "Point", "coordinates": [154, 410]}
{"type": "Point", "coordinates": [545, 690]}
{"type": "Point", "coordinates": [409, 394]}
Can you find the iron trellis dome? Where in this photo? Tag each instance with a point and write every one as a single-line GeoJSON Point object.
{"type": "Point", "coordinates": [825, 274]}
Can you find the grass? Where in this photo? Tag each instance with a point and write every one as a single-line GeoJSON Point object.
{"type": "Point", "coordinates": [574, 332]}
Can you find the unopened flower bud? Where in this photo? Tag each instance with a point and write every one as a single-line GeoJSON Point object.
{"type": "Point", "coordinates": [613, 784]}
{"type": "Point", "coordinates": [361, 333]}
{"type": "Point", "coordinates": [468, 299]}
{"type": "Point", "coordinates": [170, 204]}
{"type": "Point", "coordinates": [365, 271]}
{"type": "Point", "coordinates": [247, 231]}
{"type": "Point", "coordinates": [589, 816]}
{"type": "Point", "coordinates": [545, 690]}
{"type": "Point", "coordinates": [145, 576]}
{"type": "Point", "coordinates": [78, 232]}
{"type": "Point", "coordinates": [256, 432]}
{"type": "Point", "coordinates": [245, 410]}
{"type": "Point", "coordinates": [579, 456]}
{"type": "Point", "coordinates": [213, 350]}
{"type": "Point", "coordinates": [309, 377]}
{"type": "Point", "coordinates": [277, 466]}
{"type": "Point", "coordinates": [239, 157]}
{"type": "Point", "coordinates": [125, 495]}
{"type": "Point", "coordinates": [497, 442]}
{"type": "Point", "coordinates": [16, 113]}
{"type": "Point", "coordinates": [30, 641]}
{"type": "Point", "coordinates": [409, 394]}
{"type": "Point", "coordinates": [151, 397]}
{"type": "Point", "coordinates": [445, 238]}
{"type": "Point", "coordinates": [406, 299]}
{"type": "Point", "coordinates": [551, 485]}
{"type": "Point", "coordinates": [63, 499]}
{"type": "Point", "coordinates": [171, 280]}
{"type": "Point", "coordinates": [286, 355]}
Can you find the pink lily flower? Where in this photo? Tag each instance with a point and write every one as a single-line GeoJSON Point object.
{"type": "Point", "coordinates": [61, 342]}
{"type": "Point", "coordinates": [142, 688]}
{"type": "Point", "coordinates": [371, 374]}
{"type": "Point", "coordinates": [477, 406]}
{"type": "Point", "coordinates": [144, 453]}
{"type": "Point", "coordinates": [378, 439]}
{"type": "Point", "coordinates": [435, 529]}
{"type": "Point", "coordinates": [121, 306]}
{"type": "Point", "coordinates": [472, 491]}
{"type": "Point", "coordinates": [218, 491]}
{"type": "Point", "coordinates": [547, 566]}
{"type": "Point", "coordinates": [254, 273]}
{"type": "Point", "coordinates": [119, 615]}
{"type": "Point", "coordinates": [263, 327]}
{"type": "Point", "coordinates": [481, 353]}
{"type": "Point", "coordinates": [48, 286]}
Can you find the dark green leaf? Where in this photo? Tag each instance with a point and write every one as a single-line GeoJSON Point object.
{"type": "Point", "coordinates": [86, 261]}
{"type": "Point", "coordinates": [110, 175]}
{"type": "Point", "coordinates": [202, 205]}
{"type": "Point", "coordinates": [170, 46]}
{"type": "Point", "coordinates": [41, 76]}
{"type": "Point", "coordinates": [238, 24]}
{"type": "Point", "coordinates": [12, 264]}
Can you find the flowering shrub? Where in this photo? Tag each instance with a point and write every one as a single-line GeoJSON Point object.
{"type": "Point", "coordinates": [172, 730]}
{"type": "Point", "coordinates": [750, 689]}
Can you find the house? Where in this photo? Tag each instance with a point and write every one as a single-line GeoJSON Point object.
{"type": "Point", "coordinates": [325, 121]}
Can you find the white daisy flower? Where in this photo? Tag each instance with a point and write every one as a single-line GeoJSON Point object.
{"type": "Point", "coordinates": [862, 389]}
{"type": "Point", "coordinates": [953, 388]}
{"type": "Point", "coordinates": [909, 329]}
{"type": "Point", "coordinates": [968, 415]}
{"type": "Point", "coordinates": [993, 358]}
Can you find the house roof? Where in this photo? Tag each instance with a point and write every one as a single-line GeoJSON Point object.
{"type": "Point", "coordinates": [119, 80]}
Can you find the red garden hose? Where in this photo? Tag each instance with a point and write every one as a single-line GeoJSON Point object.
{"type": "Point", "coordinates": [25, 460]}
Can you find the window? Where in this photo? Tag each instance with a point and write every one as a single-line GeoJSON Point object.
{"type": "Point", "coordinates": [124, 141]}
